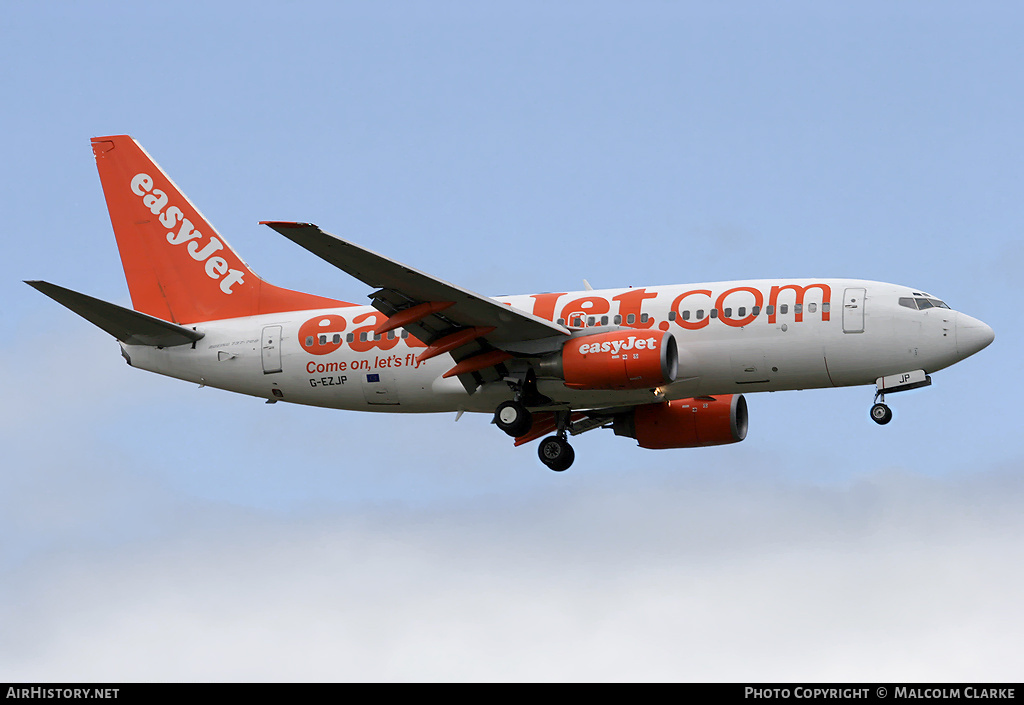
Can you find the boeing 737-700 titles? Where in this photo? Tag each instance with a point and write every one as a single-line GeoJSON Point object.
{"type": "Point", "coordinates": [665, 365]}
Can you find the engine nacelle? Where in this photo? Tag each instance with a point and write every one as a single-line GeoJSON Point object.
{"type": "Point", "coordinates": [622, 359]}
{"type": "Point", "coordinates": [686, 423]}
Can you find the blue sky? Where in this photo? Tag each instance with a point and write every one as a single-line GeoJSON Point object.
{"type": "Point", "coordinates": [154, 531]}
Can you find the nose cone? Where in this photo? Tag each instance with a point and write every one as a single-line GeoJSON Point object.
{"type": "Point", "coordinates": [971, 335]}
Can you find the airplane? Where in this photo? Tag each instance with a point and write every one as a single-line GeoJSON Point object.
{"type": "Point", "coordinates": [665, 365]}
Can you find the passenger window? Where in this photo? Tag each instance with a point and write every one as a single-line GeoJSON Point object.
{"type": "Point", "coordinates": [812, 308]}
{"type": "Point", "coordinates": [671, 315]}
{"type": "Point", "coordinates": [784, 309]}
{"type": "Point", "coordinates": [756, 310]}
{"type": "Point", "coordinates": [590, 321]}
{"type": "Point", "coordinates": [631, 319]}
{"type": "Point", "coordinates": [337, 339]}
{"type": "Point", "coordinates": [350, 337]}
{"type": "Point", "coordinates": [728, 313]}
{"type": "Point", "coordinates": [741, 313]}
{"type": "Point", "coordinates": [826, 307]}
{"type": "Point", "coordinates": [405, 334]}
{"type": "Point", "coordinates": [617, 319]}
{"type": "Point", "coordinates": [798, 308]}
{"type": "Point", "coordinates": [362, 336]}
{"type": "Point", "coordinates": [560, 321]}
{"type": "Point", "coordinates": [714, 313]}
{"type": "Point", "coordinates": [323, 339]}
{"type": "Point", "coordinates": [309, 341]}
{"type": "Point", "coordinates": [604, 320]}
{"type": "Point", "coordinates": [686, 315]}
{"type": "Point", "coordinates": [700, 313]}
{"type": "Point", "coordinates": [644, 318]}
{"type": "Point", "coordinates": [770, 310]}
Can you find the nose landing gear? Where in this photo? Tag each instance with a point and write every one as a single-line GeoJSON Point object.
{"type": "Point", "coordinates": [890, 384]}
{"type": "Point", "coordinates": [880, 413]}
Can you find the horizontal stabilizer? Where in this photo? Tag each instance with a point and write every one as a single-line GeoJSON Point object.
{"type": "Point", "coordinates": [126, 325]}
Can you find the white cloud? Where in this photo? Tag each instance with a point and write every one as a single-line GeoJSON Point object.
{"type": "Point", "coordinates": [886, 580]}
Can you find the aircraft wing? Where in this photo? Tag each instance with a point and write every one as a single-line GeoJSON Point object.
{"type": "Point", "coordinates": [448, 318]}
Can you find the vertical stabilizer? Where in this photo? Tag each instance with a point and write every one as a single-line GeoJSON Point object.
{"type": "Point", "coordinates": [177, 266]}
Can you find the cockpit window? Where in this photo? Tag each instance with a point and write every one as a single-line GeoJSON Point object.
{"type": "Point", "coordinates": [921, 303]}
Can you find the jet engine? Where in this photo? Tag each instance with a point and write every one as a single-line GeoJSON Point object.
{"type": "Point", "coordinates": [686, 423]}
{"type": "Point", "coordinates": [623, 359]}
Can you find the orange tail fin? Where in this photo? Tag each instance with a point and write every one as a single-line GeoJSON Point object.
{"type": "Point", "coordinates": [177, 266]}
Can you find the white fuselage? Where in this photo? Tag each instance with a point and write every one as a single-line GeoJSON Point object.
{"type": "Point", "coordinates": [733, 337]}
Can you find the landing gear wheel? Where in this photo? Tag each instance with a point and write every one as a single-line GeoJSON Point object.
{"type": "Point", "coordinates": [556, 453]}
{"type": "Point", "coordinates": [881, 414]}
{"type": "Point", "coordinates": [513, 418]}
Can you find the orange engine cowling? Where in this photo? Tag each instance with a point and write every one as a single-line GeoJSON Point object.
{"type": "Point", "coordinates": [686, 423]}
{"type": "Point", "coordinates": [624, 359]}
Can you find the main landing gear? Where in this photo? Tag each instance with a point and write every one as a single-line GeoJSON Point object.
{"type": "Point", "coordinates": [556, 453]}
{"type": "Point", "coordinates": [515, 419]}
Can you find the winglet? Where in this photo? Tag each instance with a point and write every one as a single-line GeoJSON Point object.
{"type": "Point", "coordinates": [278, 224]}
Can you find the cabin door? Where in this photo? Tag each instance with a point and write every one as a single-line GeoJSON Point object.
{"type": "Point", "coordinates": [853, 310]}
{"type": "Point", "coordinates": [271, 349]}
